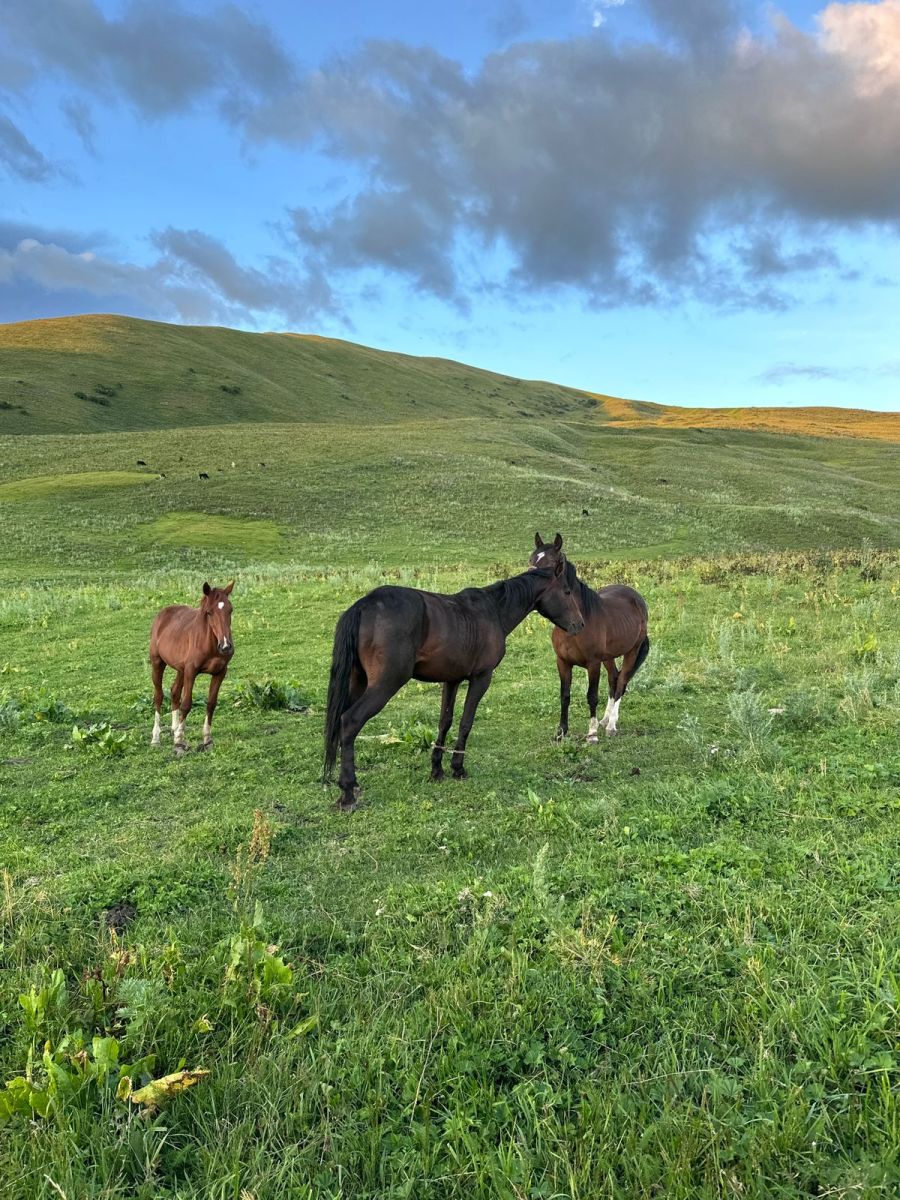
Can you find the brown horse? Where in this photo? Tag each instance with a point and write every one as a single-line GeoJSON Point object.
{"type": "Point", "coordinates": [193, 641]}
{"type": "Point", "coordinates": [615, 623]}
{"type": "Point", "coordinates": [395, 634]}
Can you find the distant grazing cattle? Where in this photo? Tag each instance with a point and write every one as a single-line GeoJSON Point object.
{"type": "Point", "coordinates": [141, 463]}
{"type": "Point", "coordinates": [585, 513]}
{"type": "Point", "coordinates": [203, 475]}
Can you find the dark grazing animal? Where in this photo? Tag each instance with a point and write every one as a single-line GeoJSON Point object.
{"type": "Point", "coordinates": [141, 463]}
{"type": "Point", "coordinates": [203, 475]}
{"type": "Point", "coordinates": [193, 641]}
{"type": "Point", "coordinates": [615, 623]}
{"type": "Point", "coordinates": [395, 634]}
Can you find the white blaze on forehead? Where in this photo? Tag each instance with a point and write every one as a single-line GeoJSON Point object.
{"type": "Point", "coordinates": [221, 604]}
{"type": "Point", "coordinates": [540, 556]}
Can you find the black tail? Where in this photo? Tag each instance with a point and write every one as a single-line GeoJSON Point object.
{"type": "Point", "coordinates": [343, 659]}
{"type": "Point", "coordinates": [642, 654]}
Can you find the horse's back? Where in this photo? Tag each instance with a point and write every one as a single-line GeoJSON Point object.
{"type": "Point", "coordinates": [169, 626]}
{"type": "Point", "coordinates": [622, 594]}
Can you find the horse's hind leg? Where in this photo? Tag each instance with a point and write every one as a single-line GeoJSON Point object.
{"type": "Point", "coordinates": [616, 693]}
{"type": "Point", "coordinates": [592, 692]}
{"type": "Point", "coordinates": [187, 703]}
{"type": "Point", "coordinates": [612, 672]}
{"type": "Point", "coordinates": [175, 692]}
{"type": "Point", "coordinates": [370, 703]}
{"type": "Point", "coordinates": [158, 668]}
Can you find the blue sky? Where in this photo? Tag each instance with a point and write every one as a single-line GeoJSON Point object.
{"type": "Point", "coordinates": [693, 202]}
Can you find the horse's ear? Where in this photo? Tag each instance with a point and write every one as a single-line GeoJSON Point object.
{"type": "Point", "coordinates": [227, 590]}
{"type": "Point", "coordinates": [560, 565]}
{"type": "Point", "coordinates": [557, 542]}
{"type": "Point", "coordinates": [206, 589]}
{"type": "Point", "coordinates": [538, 541]}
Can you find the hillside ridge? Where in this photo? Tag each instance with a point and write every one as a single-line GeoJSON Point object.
{"type": "Point", "coordinates": [107, 373]}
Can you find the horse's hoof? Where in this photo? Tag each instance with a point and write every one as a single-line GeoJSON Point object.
{"type": "Point", "coordinates": [592, 739]}
{"type": "Point", "coordinates": [155, 742]}
{"type": "Point", "coordinates": [206, 745]}
{"type": "Point", "coordinates": [612, 732]}
{"type": "Point", "coordinates": [180, 749]}
{"type": "Point", "coordinates": [461, 774]}
{"type": "Point", "coordinates": [437, 776]}
{"type": "Point", "coordinates": [560, 735]}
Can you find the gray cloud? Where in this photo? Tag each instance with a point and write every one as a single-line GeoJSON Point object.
{"type": "Point", "coordinates": [703, 25]}
{"type": "Point", "coordinates": [635, 172]}
{"type": "Point", "coordinates": [78, 114]}
{"type": "Point", "coordinates": [19, 156]}
{"type": "Point", "coordinates": [157, 54]}
{"type": "Point", "coordinates": [194, 279]}
{"type": "Point", "coordinates": [782, 373]}
{"type": "Point", "coordinates": [705, 162]}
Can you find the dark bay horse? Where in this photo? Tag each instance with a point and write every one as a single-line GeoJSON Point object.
{"type": "Point", "coordinates": [193, 641]}
{"type": "Point", "coordinates": [615, 624]}
{"type": "Point", "coordinates": [395, 634]}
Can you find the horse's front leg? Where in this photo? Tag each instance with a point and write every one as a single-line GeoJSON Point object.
{"type": "Point", "coordinates": [448, 703]}
{"type": "Point", "coordinates": [215, 683]}
{"type": "Point", "coordinates": [478, 685]}
{"type": "Point", "coordinates": [565, 692]}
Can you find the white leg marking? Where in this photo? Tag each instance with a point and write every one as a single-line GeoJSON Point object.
{"type": "Point", "coordinates": [178, 731]}
{"type": "Point", "coordinates": [207, 731]}
{"type": "Point", "coordinates": [154, 741]}
{"type": "Point", "coordinates": [176, 719]}
{"type": "Point", "coordinates": [605, 718]}
{"type": "Point", "coordinates": [592, 729]}
{"type": "Point", "coordinates": [613, 717]}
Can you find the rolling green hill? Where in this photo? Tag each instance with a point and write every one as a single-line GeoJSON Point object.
{"type": "Point", "coordinates": [106, 373]}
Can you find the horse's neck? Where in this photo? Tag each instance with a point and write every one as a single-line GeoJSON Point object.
{"type": "Point", "coordinates": [199, 624]}
{"type": "Point", "coordinates": [515, 599]}
{"type": "Point", "coordinates": [589, 597]}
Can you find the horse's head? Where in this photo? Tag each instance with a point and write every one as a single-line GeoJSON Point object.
{"type": "Point", "coordinates": [556, 601]}
{"type": "Point", "coordinates": [216, 606]}
{"type": "Point", "coordinates": [546, 554]}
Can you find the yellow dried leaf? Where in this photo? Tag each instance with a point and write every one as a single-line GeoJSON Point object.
{"type": "Point", "coordinates": [158, 1091]}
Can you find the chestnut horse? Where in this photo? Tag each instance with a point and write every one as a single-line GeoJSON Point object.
{"type": "Point", "coordinates": [395, 634]}
{"type": "Point", "coordinates": [615, 623]}
{"type": "Point", "coordinates": [193, 641]}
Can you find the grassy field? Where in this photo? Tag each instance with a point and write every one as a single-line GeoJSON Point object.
{"type": "Point", "coordinates": [665, 966]}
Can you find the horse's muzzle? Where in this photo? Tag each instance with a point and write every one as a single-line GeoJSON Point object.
{"type": "Point", "coordinates": [226, 647]}
{"type": "Point", "coordinates": [575, 627]}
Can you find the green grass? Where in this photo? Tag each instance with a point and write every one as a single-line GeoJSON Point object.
{"type": "Point", "coordinates": [199, 530]}
{"type": "Point", "coordinates": [438, 492]}
{"type": "Point", "coordinates": [665, 966]}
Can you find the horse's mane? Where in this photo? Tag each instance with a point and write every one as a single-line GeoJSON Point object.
{"type": "Point", "coordinates": [517, 589]}
{"type": "Point", "coordinates": [590, 601]}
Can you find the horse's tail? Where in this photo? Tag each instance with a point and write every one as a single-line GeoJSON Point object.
{"type": "Point", "coordinates": [643, 651]}
{"type": "Point", "coordinates": [344, 658]}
